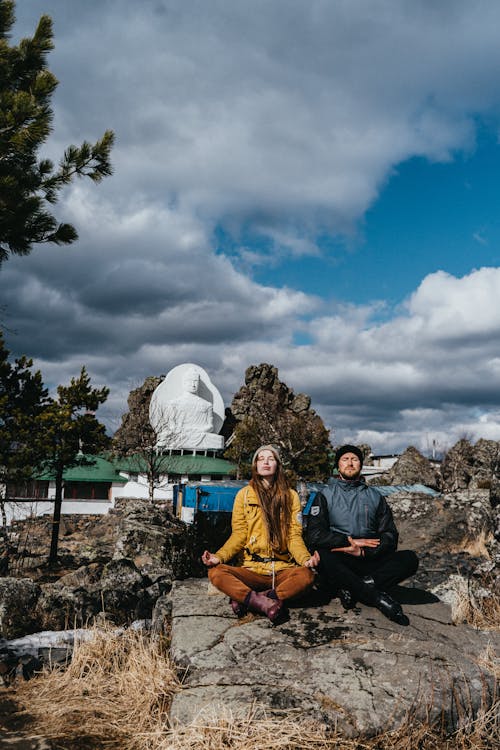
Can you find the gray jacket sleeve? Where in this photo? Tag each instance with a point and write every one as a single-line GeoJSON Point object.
{"type": "Point", "coordinates": [319, 535]}
{"type": "Point", "coordinates": [386, 531]}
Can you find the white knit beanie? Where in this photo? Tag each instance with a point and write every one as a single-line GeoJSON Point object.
{"type": "Point", "coordinates": [272, 448]}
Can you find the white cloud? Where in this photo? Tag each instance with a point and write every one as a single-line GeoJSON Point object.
{"type": "Point", "coordinates": [284, 119]}
{"type": "Point", "coordinates": [278, 110]}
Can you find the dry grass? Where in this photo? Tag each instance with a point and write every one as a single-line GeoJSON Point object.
{"type": "Point", "coordinates": [219, 730]}
{"type": "Point", "coordinates": [216, 728]}
{"type": "Point", "coordinates": [482, 612]}
{"type": "Point", "coordinates": [490, 662]}
{"type": "Point", "coordinates": [116, 692]}
{"type": "Point", "coordinates": [116, 688]}
{"type": "Point", "coordinates": [476, 546]}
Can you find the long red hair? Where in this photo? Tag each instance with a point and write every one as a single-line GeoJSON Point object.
{"type": "Point", "coordinates": [275, 501]}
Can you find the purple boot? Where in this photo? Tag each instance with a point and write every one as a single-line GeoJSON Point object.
{"type": "Point", "coordinates": [240, 610]}
{"type": "Point", "coordinates": [258, 601]}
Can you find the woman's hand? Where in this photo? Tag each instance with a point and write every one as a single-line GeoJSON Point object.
{"type": "Point", "coordinates": [209, 560]}
{"type": "Point", "coordinates": [313, 561]}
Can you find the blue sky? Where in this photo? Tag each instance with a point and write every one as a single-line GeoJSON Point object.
{"type": "Point", "coordinates": [313, 185]}
{"type": "Point", "coordinates": [429, 216]}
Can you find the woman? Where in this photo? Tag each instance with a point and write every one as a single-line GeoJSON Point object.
{"type": "Point", "coordinates": [266, 525]}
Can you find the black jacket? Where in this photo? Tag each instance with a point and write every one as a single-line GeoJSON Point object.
{"type": "Point", "coordinates": [345, 508]}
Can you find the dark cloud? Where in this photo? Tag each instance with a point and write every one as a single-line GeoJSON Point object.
{"type": "Point", "coordinates": [283, 118]}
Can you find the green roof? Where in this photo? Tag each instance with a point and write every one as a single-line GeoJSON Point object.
{"type": "Point", "coordinates": [100, 470]}
{"type": "Point", "coordinates": [187, 464]}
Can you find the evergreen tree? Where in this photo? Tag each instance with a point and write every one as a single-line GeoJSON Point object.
{"type": "Point", "coordinates": [29, 186]}
{"type": "Point", "coordinates": [68, 431]}
{"type": "Point", "coordinates": [22, 400]}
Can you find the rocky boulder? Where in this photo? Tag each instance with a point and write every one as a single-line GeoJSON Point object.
{"type": "Point", "coordinates": [140, 549]}
{"type": "Point", "coordinates": [156, 541]}
{"type": "Point", "coordinates": [266, 410]}
{"type": "Point", "coordinates": [452, 533]}
{"type": "Point", "coordinates": [473, 466]}
{"type": "Point", "coordinates": [413, 468]}
{"type": "Point", "coordinates": [486, 466]}
{"type": "Point", "coordinates": [125, 438]}
{"type": "Point", "coordinates": [457, 467]}
{"type": "Point", "coordinates": [356, 669]}
{"type": "Point", "coordinates": [264, 378]}
{"type": "Point", "coordinates": [118, 589]}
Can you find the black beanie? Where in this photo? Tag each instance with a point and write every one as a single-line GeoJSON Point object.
{"type": "Point", "coordinates": [347, 449]}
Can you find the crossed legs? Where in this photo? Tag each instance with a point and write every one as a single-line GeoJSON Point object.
{"type": "Point", "coordinates": [238, 582]}
{"type": "Point", "coordinates": [366, 580]}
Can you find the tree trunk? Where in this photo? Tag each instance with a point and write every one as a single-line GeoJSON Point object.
{"type": "Point", "coordinates": [56, 519]}
{"type": "Point", "coordinates": [4, 514]}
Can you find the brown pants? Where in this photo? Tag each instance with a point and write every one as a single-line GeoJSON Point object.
{"type": "Point", "coordinates": [238, 582]}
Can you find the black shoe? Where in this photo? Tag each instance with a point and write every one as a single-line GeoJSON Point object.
{"type": "Point", "coordinates": [369, 581]}
{"type": "Point", "coordinates": [346, 599]}
{"type": "Point", "coordinates": [391, 609]}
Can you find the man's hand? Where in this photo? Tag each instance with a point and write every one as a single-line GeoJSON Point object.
{"type": "Point", "coordinates": [364, 542]}
{"type": "Point", "coordinates": [356, 546]}
{"type": "Point", "coordinates": [313, 561]}
{"type": "Point", "coordinates": [351, 550]}
{"type": "Point", "coordinates": [209, 560]}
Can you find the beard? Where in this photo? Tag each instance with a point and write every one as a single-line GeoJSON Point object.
{"type": "Point", "coordinates": [350, 473]}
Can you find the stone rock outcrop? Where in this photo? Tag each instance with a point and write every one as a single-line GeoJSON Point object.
{"type": "Point", "coordinates": [266, 410]}
{"type": "Point", "coordinates": [155, 540]}
{"type": "Point", "coordinates": [355, 669]}
{"type": "Point", "coordinates": [486, 463]}
{"type": "Point", "coordinates": [453, 533]}
{"type": "Point", "coordinates": [141, 547]}
{"type": "Point", "coordinates": [413, 468]}
{"type": "Point", "coordinates": [473, 466]}
{"type": "Point", "coordinates": [263, 378]}
{"type": "Point", "coordinates": [137, 417]}
{"type": "Point", "coordinates": [120, 591]}
{"type": "Point", "coordinates": [457, 467]}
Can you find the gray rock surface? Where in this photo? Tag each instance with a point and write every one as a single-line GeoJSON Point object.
{"type": "Point", "coordinates": [356, 669]}
{"type": "Point", "coordinates": [23, 657]}
{"type": "Point", "coordinates": [139, 549]}
{"type": "Point", "coordinates": [451, 533]}
{"type": "Point", "coordinates": [472, 466]}
{"type": "Point", "coordinates": [413, 468]}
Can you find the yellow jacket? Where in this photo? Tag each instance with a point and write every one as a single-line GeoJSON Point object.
{"type": "Point", "coordinates": [249, 534]}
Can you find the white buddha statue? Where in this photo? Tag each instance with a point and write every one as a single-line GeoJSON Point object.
{"type": "Point", "coordinates": [186, 421]}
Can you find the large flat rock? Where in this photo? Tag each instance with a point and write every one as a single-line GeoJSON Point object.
{"type": "Point", "coordinates": [356, 669]}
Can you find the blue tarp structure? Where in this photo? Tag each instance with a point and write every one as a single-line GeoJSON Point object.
{"type": "Point", "coordinates": [392, 489]}
{"type": "Point", "coordinates": [207, 497]}
{"type": "Point", "coordinates": [218, 497]}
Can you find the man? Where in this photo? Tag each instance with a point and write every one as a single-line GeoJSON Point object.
{"type": "Point", "coordinates": [352, 527]}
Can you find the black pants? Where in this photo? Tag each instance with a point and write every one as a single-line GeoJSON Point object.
{"type": "Point", "coordinates": [342, 571]}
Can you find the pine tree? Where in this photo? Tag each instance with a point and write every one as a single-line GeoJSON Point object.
{"type": "Point", "coordinates": [29, 186]}
{"type": "Point", "coordinates": [22, 400]}
{"type": "Point", "coordinates": [68, 431]}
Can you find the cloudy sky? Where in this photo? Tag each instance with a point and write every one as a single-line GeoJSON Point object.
{"type": "Point", "coordinates": [311, 184]}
